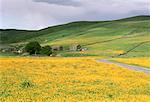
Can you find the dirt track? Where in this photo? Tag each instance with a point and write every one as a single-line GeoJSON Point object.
{"type": "Point", "coordinates": [132, 67]}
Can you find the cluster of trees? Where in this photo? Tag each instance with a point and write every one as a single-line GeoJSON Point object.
{"type": "Point", "coordinates": [34, 48]}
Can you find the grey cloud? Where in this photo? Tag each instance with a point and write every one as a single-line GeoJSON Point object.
{"type": "Point", "coordinates": [61, 2]}
{"type": "Point", "coordinates": [37, 14]}
{"type": "Point", "coordinates": [139, 12]}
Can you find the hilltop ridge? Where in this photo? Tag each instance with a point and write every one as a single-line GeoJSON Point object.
{"type": "Point", "coordinates": [100, 37]}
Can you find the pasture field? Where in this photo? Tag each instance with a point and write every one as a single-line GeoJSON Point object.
{"type": "Point", "coordinates": [44, 79]}
{"type": "Point", "coordinates": [101, 38]}
{"type": "Point", "coordinates": [140, 61]}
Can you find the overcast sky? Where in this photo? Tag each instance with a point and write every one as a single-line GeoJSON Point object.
{"type": "Point", "coordinates": [37, 14]}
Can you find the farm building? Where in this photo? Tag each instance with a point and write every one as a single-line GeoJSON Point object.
{"type": "Point", "coordinates": [76, 47]}
{"type": "Point", "coordinates": [19, 50]}
{"type": "Point", "coordinates": [7, 48]}
{"type": "Point", "coordinates": [84, 49]}
{"type": "Point", "coordinates": [57, 48]}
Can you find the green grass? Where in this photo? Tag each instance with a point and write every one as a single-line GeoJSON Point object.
{"type": "Point", "coordinates": [101, 37]}
{"type": "Point", "coordinates": [7, 54]}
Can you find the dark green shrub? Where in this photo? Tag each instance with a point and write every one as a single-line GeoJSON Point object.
{"type": "Point", "coordinates": [25, 84]}
{"type": "Point", "coordinates": [54, 54]}
{"type": "Point", "coordinates": [33, 48]}
{"type": "Point", "coordinates": [46, 50]}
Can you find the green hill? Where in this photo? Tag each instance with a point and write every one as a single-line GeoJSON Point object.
{"type": "Point", "coordinates": [104, 38]}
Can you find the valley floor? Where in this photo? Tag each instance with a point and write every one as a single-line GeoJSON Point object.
{"type": "Point", "coordinates": [46, 79]}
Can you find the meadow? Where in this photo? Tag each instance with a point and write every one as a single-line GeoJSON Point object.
{"type": "Point", "coordinates": [78, 79]}
{"type": "Point", "coordinates": [72, 78]}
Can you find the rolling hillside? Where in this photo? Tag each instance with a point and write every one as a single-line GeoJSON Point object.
{"type": "Point", "coordinates": [104, 38]}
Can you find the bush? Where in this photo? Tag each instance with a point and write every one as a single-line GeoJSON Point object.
{"type": "Point", "coordinates": [25, 84]}
{"type": "Point", "coordinates": [46, 50]}
{"type": "Point", "coordinates": [33, 48]}
{"type": "Point", "coordinates": [54, 54]}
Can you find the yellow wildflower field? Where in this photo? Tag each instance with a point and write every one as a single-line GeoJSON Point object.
{"type": "Point", "coordinates": [69, 80]}
{"type": "Point", "coordinates": [141, 61]}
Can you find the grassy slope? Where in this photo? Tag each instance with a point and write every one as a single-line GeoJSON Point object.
{"type": "Point", "coordinates": [101, 38]}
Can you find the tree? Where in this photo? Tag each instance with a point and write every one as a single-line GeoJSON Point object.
{"type": "Point", "coordinates": [46, 50]}
{"type": "Point", "coordinates": [33, 48]}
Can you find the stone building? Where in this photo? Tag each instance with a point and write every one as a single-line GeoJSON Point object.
{"type": "Point", "coordinates": [57, 48]}
{"type": "Point", "coordinates": [76, 47]}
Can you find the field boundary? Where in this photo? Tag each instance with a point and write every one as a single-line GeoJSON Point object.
{"type": "Point", "coordinates": [136, 46]}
